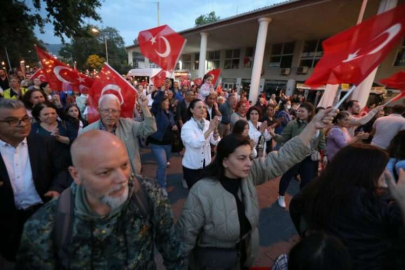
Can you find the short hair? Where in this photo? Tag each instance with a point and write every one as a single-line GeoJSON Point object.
{"type": "Point", "coordinates": [398, 109]}
{"type": "Point", "coordinates": [36, 111]}
{"type": "Point", "coordinates": [350, 104]}
{"type": "Point", "coordinates": [43, 85]}
{"type": "Point", "coordinates": [189, 91]}
{"type": "Point", "coordinates": [108, 97]}
{"type": "Point", "coordinates": [239, 126]}
{"type": "Point", "coordinates": [254, 108]}
{"type": "Point", "coordinates": [6, 103]}
{"type": "Point", "coordinates": [239, 104]}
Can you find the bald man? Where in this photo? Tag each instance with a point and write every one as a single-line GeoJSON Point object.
{"type": "Point", "coordinates": [112, 226]}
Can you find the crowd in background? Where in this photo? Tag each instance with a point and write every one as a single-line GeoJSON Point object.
{"type": "Point", "coordinates": [344, 213]}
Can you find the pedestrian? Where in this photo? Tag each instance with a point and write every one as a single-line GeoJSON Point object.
{"type": "Point", "coordinates": [220, 217]}
{"type": "Point", "coordinates": [197, 134]}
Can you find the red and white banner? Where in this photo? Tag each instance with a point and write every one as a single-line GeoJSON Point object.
{"type": "Point", "coordinates": [162, 46]}
{"type": "Point", "coordinates": [350, 56]}
{"type": "Point", "coordinates": [60, 76]}
{"type": "Point", "coordinates": [110, 81]}
{"type": "Point", "coordinates": [215, 75]}
{"type": "Point", "coordinates": [40, 74]}
{"type": "Point", "coordinates": [396, 81]}
{"type": "Point", "coordinates": [159, 79]}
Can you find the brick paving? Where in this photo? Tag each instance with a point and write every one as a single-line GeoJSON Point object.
{"type": "Point", "coordinates": [277, 232]}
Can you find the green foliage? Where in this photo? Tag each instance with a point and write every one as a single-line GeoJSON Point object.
{"type": "Point", "coordinates": [204, 19]}
{"type": "Point", "coordinates": [19, 19]}
{"type": "Point", "coordinates": [81, 47]}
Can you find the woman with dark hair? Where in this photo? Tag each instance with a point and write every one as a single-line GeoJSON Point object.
{"type": "Point", "coordinates": [206, 88]}
{"type": "Point", "coordinates": [221, 214]}
{"type": "Point", "coordinates": [241, 127]}
{"type": "Point", "coordinates": [315, 252]}
{"type": "Point", "coordinates": [74, 117]}
{"type": "Point", "coordinates": [346, 201]}
{"type": "Point", "coordinates": [396, 151]}
{"type": "Point", "coordinates": [45, 88]}
{"type": "Point", "coordinates": [239, 113]}
{"type": "Point", "coordinates": [197, 134]}
{"type": "Point", "coordinates": [306, 167]}
{"type": "Point", "coordinates": [338, 136]}
{"type": "Point", "coordinates": [284, 114]}
{"type": "Point", "coordinates": [258, 131]}
{"type": "Point", "coordinates": [32, 98]}
{"type": "Point", "coordinates": [161, 141]}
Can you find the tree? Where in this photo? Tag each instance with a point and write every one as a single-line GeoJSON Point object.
{"type": "Point", "coordinates": [95, 62]}
{"type": "Point", "coordinates": [204, 19]}
{"type": "Point", "coordinates": [19, 19]}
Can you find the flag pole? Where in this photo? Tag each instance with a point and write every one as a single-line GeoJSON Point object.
{"type": "Point", "coordinates": [398, 97]}
{"type": "Point", "coordinates": [345, 97]}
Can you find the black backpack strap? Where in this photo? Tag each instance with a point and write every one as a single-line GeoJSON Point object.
{"type": "Point", "coordinates": [64, 226]}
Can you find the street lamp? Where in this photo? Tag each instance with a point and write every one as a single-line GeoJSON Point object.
{"type": "Point", "coordinates": [96, 31]}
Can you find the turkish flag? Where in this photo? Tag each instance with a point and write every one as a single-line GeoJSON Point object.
{"type": "Point", "coordinates": [159, 79]}
{"type": "Point", "coordinates": [198, 81]}
{"type": "Point", "coordinates": [215, 74]}
{"type": "Point", "coordinates": [60, 76]}
{"type": "Point", "coordinates": [40, 74]}
{"type": "Point", "coordinates": [350, 56]}
{"type": "Point", "coordinates": [396, 81]}
{"type": "Point", "coordinates": [110, 81]}
{"type": "Point", "coordinates": [162, 46]}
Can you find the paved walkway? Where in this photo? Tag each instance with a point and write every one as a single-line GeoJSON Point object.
{"type": "Point", "coordinates": [277, 232]}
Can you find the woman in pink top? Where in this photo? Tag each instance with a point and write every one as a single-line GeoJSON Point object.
{"type": "Point", "coordinates": [338, 136]}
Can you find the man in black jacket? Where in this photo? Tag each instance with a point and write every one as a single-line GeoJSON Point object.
{"type": "Point", "coordinates": [30, 173]}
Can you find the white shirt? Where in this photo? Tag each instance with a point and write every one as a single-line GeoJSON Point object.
{"type": "Point", "coordinates": [197, 147]}
{"type": "Point", "coordinates": [386, 128]}
{"type": "Point", "coordinates": [255, 134]}
{"type": "Point", "coordinates": [19, 171]}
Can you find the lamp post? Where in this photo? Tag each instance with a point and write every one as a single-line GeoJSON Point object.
{"type": "Point", "coordinates": [96, 31]}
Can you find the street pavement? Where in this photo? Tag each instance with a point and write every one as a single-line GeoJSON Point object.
{"type": "Point", "coordinates": [277, 232]}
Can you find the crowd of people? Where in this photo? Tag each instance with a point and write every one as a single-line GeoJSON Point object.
{"type": "Point", "coordinates": [72, 194]}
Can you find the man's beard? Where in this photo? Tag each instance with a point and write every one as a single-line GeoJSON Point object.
{"type": "Point", "coordinates": [114, 202]}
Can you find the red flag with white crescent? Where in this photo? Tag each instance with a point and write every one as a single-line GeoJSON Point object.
{"type": "Point", "coordinates": [159, 79]}
{"type": "Point", "coordinates": [162, 45]}
{"type": "Point", "coordinates": [60, 76]}
{"type": "Point", "coordinates": [351, 55]}
{"type": "Point", "coordinates": [215, 75]}
{"type": "Point", "coordinates": [40, 74]}
{"type": "Point", "coordinates": [109, 81]}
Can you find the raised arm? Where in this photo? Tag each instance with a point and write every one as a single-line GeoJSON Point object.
{"type": "Point", "coordinates": [354, 122]}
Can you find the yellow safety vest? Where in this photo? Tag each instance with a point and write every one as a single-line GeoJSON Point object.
{"type": "Point", "coordinates": [7, 94]}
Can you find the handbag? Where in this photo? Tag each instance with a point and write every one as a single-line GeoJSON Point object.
{"type": "Point", "coordinates": [177, 144]}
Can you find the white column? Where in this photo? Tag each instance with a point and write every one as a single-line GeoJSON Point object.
{"type": "Point", "coordinates": [258, 60]}
{"type": "Point", "coordinates": [239, 84]}
{"type": "Point", "coordinates": [362, 91]}
{"type": "Point", "coordinates": [290, 87]}
{"type": "Point", "coordinates": [130, 58]}
{"type": "Point", "coordinates": [203, 54]}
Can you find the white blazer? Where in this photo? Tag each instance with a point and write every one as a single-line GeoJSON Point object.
{"type": "Point", "coordinates": [254, 134]}
{"type": "Point", "coordinates": [197, 147]}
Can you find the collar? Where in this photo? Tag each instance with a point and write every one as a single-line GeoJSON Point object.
{"type": "Point", "coordinates": [13, 93]}
{"type": "Point", "coordinates": [4, 144]}
{"type": "Point", "coordinates": [102, 127]}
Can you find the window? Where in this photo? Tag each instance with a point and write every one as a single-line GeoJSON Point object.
{"type": "Point", "coordinates": [400, 60]}
{"type": "Point", "coordinates": [282, 55]}
{"type": "Point", "coordinates": [213, 60]}
{"type": "Point", "coordinates": [311, 53]}
{"type": "Point", "coordinates": [249, 56]}
{"type": "Point", "coordinates": [186, 59]}
{"type": "Point", "coordinates": [232, 58]}
{"type": "Point", "coordinates": [197, 59]}
{"type": "Point", "coordinates": [138, 60]}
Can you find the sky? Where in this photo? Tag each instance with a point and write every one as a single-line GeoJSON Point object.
{"type": "Point", "coordinates": [130, 17]}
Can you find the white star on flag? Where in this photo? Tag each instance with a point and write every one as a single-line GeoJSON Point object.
{"type": "Point", "coordinates": [81, 80]}
{"type": "Point", "coordinates": [153, 40]}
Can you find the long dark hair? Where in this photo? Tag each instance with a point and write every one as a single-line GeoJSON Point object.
{"type": "Point", "coordinates": [225, 147]}
{"type": "Point", "coordinates": [354, 167]}
{"type": "Point", "coordinates": [75, 122]}
{"type": "Point", "coordinates": [27, 98]}
{"type": "Point", "coordinates": [36, 111]}
{"type": "Point", "coordinates": [310, 108]}
{"type": "Point", "coordinates": [397, 146]}
{"type": "Point", "coordinates": [319, 251]}
{"type": "Point", "coordinates": [239, 127]}
{"type": "Point", "coordinates": [191, 106]}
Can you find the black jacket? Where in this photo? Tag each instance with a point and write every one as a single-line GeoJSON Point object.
{"type": "Point", "coordinates": [214, 113]}
{"type": "Point", "coordinates": [366, 224]}
{"type": "Point", "coordinates": [46, 169]}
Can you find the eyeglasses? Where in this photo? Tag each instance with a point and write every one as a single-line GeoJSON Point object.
{"type": "Point", "coordinates": [112, 111]}
{"type": "Point", "coordinates": [16, 122]}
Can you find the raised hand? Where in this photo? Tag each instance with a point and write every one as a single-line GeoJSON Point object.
{"type": "Point", "coordinates": [324, 118]}
{"type": "Point", "coordinates": [143, 101]}
{"type": "Point", "coordinates": [263, 127]}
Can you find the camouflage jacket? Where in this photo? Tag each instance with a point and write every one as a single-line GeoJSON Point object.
{"type": "Point", "coordinates": [122, 241]}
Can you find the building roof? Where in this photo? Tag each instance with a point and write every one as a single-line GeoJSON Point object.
{"type": "Point", "coordinates": [234, 17]}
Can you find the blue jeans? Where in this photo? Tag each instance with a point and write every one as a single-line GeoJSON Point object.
{"type": "Point", "coordinates": [394, 165]}
{"type": "Point", "coordinates": [162, 155]}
